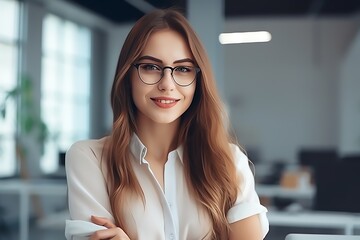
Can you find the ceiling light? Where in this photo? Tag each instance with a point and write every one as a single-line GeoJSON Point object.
{"type": "Point", "coordinates": [244, 37]}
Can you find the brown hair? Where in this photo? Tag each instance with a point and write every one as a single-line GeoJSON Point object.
{"type": "Point", "coordinates": [208, 162]}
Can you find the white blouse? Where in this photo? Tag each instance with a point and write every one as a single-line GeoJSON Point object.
{"type": "Point", "coordinates": [169, 213]}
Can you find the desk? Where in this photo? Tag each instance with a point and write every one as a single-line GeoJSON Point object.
{"type": "Point", "coordinates": [278, 191]}
{"type": "Point", "coordinates": [306, 218]}
{"type": "Point", "coordinates": [316, 219]}
{"type": "Point", "coordinates": [27, 188]}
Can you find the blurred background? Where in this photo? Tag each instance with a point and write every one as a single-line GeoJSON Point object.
{"type": "Point", "coordinates": [289, 80]}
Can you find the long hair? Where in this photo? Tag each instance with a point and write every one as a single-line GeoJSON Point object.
{"type": "Point", "coordinates": [208, 160]}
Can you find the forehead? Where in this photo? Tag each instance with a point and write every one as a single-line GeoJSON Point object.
{"type": "Point", "coordinates": [167, 45]}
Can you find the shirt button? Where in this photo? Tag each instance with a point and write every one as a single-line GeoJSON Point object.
{"type": "Point", "coordinates": [170, 205]}
{"type": "Point", "coordinates": [171, 236]}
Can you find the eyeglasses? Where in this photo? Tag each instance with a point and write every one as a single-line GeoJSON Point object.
{"type": "Point", "coordinates": [151, 74]}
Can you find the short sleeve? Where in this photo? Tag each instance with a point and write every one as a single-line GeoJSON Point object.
{"type": "Point", "coordinates": [247, 203]}
{"type": "Point", "coordinates": [87, 191]}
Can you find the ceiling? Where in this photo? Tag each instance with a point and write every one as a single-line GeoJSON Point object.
{"type": "Point", "coordinates": [122, 11]}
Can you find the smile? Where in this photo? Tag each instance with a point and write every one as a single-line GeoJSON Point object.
{"type": "Point", "coordinates": [165, 101]}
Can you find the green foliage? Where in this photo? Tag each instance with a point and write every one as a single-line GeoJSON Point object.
{"type": "Point", "coordinates": [28, 121]}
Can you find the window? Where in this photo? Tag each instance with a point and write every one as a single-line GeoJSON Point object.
{"type": "Point", "coordinates": [65, 87]}
{"type": "Point", "coordinates": [9, 52]}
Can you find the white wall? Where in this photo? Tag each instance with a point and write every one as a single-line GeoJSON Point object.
{"type": "Point", "coordinates": [350, 100]}
{"type": "Point", "coordinates": [116, 38]}
{"type": "Point", "coordinates": [283, 95]}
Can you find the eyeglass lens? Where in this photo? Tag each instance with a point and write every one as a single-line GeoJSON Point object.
{"type": "Point", "coordinates": [152, 73]}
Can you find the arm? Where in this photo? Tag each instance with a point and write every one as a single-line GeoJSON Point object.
{"type": "Point", "coordinates": [87, 191]}
{"type": "Point", "coordinates": [247, 217]}
{"type": "Point", "coordinates": [88, 196]}
{"type": "Point", "coordinates": [246, 229]}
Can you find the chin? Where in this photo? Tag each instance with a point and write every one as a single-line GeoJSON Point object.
{"type": "Point", "coordinates": [165, 119]}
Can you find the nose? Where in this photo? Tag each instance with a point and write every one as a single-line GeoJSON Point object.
{"type": "Point", "coordinates": [166, 83]}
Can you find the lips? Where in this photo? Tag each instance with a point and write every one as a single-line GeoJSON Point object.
{"type": "Point", "coordinates": [164, 102]}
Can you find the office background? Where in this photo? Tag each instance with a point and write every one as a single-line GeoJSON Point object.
{"type": "Point", "coordinates": [298, 91]}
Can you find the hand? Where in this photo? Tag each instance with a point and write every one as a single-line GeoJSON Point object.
{"type": "Point", "coordinates": [112, 233]}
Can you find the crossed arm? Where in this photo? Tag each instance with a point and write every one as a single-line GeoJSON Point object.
{"type": "Point", "coordinates": [246, 229]}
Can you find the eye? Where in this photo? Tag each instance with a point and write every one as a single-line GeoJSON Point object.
{"type": "Point", "coordinates": [150, 67]}
{"type": "Point", "coordinates": [184, 69]}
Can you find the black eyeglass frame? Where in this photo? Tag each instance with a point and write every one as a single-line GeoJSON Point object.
{"type": "Point", "coordinates": [197, 70]}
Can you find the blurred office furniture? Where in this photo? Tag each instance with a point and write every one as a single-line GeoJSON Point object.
{"type": "Point", "coordinates": [274, 173]}
{"type": "Point", "coordinates": [4, 226]}
{"type": "Point", "coordinates": [60, 171]}
{"type": "Point", "coordinates": [334, 195]}
{"type": "Point", "coordinates": [297, 236]}
{"type": "Point", "coordinates": [312, 157]}
{"type": "Point", "coordinates": [350, 158]}
{"type": "Point", "coordinates": [293, 186]}
{"type": "Point", "coordinates": [346, 222]}
{"type": "Point", "coordinates": [336, 179]}
{"type": "Point", "coordinates": [272, 191]}
{"type": "Point", "coordinates": [27, 188]}
{"type": "Point", "coordinates": [302, 217]}
{"type": "Point", "coordinates": [56, 219]}
{"type": "Point", "coordinates": [337, 186]}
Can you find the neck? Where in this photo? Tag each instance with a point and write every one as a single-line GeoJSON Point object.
{"type": "Point", "coordinates": [159, 139]}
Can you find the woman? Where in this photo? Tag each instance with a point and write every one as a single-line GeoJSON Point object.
{"type": "Point", "coordinates": [168, 169]}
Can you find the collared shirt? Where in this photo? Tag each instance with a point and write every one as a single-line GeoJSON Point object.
{"type": "Point", "coordinates": [169, 213]}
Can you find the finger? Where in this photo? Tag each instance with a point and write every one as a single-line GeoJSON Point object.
{"type": "Point", "coordinates": [112, 233]}
{"type": "Point", "coordinates": [103, 221]}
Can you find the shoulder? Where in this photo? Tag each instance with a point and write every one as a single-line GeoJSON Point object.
{"type": "Point", "coordinates": [84, 149]}
{"type": "Point", "coordinates": [89, 145]}
{"type": "Point", "coordinates": [245, 169]}
{"type": "Point", "coordinates": [238, 155]}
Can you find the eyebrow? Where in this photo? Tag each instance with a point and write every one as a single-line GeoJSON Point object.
{"type": "Point", "coordinates": [160, 61]}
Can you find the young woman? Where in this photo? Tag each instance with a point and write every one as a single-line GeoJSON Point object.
{"type": "Point", "coordinates": [168, 170]}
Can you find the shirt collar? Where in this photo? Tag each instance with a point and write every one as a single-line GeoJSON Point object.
{"type": "Point", "coordinates": [138, 149]}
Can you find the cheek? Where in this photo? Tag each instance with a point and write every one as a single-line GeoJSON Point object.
{"type": "Point", "coordinates": [191, 93]}
{"type": "Point", "coordinates": [133, 80]}
{"type": "Point", "coordinates": [139, 91]}
{"type": "Point", "coordinates": [135, 94]}
{"type": "Point", "coordinates": [192, 97]}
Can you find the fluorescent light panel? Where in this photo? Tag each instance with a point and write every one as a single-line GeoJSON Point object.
{"type": "Point", "coordinates": [244, 37]}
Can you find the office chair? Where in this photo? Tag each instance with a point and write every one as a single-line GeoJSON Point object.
{"type": "Point", "coordinates": [298, 236]}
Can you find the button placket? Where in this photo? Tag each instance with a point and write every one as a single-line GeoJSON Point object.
{"type": "Point", "coordinates": [170, 192]}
